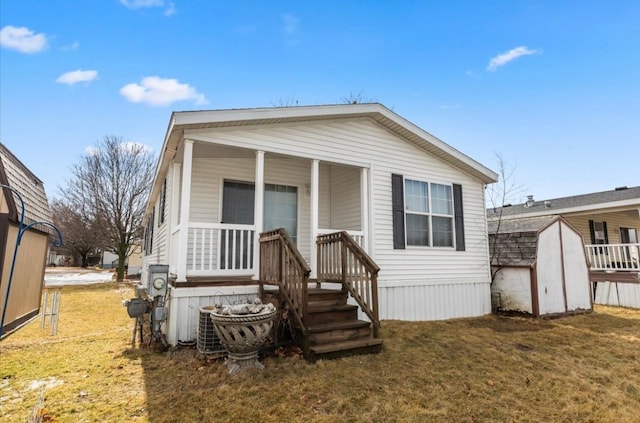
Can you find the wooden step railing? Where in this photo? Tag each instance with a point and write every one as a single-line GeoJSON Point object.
{"type": "Point", "coordinates": [342, 260]}
{"type": "Point", "coordinates": [282, 264]}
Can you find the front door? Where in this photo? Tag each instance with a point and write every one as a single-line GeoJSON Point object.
{"type": "Point", "coordinates": [238, 200]}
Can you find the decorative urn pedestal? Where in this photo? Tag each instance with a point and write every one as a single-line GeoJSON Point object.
{"type": "Point", "coordinates": [242, 329]}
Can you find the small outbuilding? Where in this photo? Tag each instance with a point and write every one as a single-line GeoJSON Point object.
{"type": "Point", "coordinates": [23, 301]}
{"type": "Point", "coordinates": [539, 266]}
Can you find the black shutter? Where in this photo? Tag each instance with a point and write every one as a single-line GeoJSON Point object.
{"type": "Point", "coordinates": [606, 236]}
{"type": "Point", "coordinates": [592, 232]}
{"type": "Point", "coordinates": [458, 216]}
{"type": "Point", "coordinates": [397, 201]}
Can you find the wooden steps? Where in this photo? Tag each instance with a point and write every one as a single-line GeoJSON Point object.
{"type": "Point", "coordinates": [332, 328]}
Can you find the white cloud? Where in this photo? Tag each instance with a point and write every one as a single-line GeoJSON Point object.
{"type": "Point", "coordinates": [504, 58]}
{"type": "Point", "coordinates": [74, 46]}
{"type": "Point", "coordinates": [22, 39]}
{"type": "Point", "coordinates": [135, 147]}
{"type": "Point", "coordinates": [128, 147]}
{"type": "Point", "coordinates": [290, 23]}
{"type": "Point", "coordinates": [171, 9]}
{"type": "Point", "coordinates": [158, 91]}
{"type": "Point", "coordinates": [91, 151]}
{"type": "Point", "coordinates": [76, 76]}
{"type": "Point", "coordinates": [139, 4]}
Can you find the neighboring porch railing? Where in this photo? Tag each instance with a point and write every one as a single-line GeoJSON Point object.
{"type": "Point", "coordinates": [342, 260]}
{"type": "Point", "coordinates": [607, 257]}
{"type": "Point", "coordinates": [282, 264]}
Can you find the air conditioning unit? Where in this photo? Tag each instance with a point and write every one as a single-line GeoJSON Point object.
{"type": "Point", "coordinates": [208, 342]}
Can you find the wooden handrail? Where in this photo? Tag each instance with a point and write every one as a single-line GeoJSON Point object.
{"type": "Point", "coordinates": [282, 264]}
{"type": "Point", "coordinates": [342, 260]}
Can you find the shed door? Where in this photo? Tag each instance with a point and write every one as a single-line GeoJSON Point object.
{"type": "Point", "coordinates": [549, 271]}
{"type": "Point", "coordinates": [576, 271]}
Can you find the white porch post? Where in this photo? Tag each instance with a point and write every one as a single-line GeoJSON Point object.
{"type": "Point", "coordinates": [258, 212]}
{"type": "Point", "coordinates": [172, 212]}
{"type": "Point", "coordinates": [184, 211]}
{"type": "Point", "coordinates": [313, 250]}
{"type": "Point", "coordinates": [364, 206]}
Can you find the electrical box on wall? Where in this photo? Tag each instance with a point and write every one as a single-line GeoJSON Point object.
{"type": "Point", "coordinates": [158, 280]}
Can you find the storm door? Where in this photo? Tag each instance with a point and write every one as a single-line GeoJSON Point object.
{"type": "Point", "coordinates": [236, 246]}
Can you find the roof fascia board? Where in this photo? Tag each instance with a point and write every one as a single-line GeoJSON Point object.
{"type": "Point", "coordinates": [629, 204]}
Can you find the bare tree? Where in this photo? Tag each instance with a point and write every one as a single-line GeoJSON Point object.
{"type": "Point", "coordinates": [113, 180]}
{"type": "Point", "coordinates": [80, 230]}
{"type": "Point", "coordinates": [356, 98]}
{"type": "Point", "coordinates": [500, 195]}
{"type": "Point", "coordinates": [285, 102]}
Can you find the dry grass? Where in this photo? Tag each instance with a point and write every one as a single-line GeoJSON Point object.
{"type": "Point", "coordinates": [505, 369]}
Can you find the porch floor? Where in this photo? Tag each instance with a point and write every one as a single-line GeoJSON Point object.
{"type": "Point", "coordinates": [200, 281]}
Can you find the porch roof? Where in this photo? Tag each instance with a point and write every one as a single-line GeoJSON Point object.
{"type": "Point", "coordinates": [208, 119]}
{"type": "Point", "coordinates": [619, 199]}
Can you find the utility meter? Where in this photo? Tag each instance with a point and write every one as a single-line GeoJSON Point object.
{"type": "Point", "coordinates": [158, 280]}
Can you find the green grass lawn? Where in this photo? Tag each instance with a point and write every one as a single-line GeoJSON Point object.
{"type": "Point", "coordinates": [583, 368]}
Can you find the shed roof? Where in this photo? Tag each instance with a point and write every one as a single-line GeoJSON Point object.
{"type": "Point", "coordinates": [600, 201]}
{"type": "Point", "coordinates": [208, 119]}
{"type": "Point", "coordinates": [16, 175]}
{"type": "Point", "coordinates": [515, 243]}
{"type": "Point", "coordinates": [530, 224]}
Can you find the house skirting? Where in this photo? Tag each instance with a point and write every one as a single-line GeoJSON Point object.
{"type": "Point", "coordinates": [184, 308]}
{"type": "Point", "coordinates": [620, 294]}
{"type": "Point", "coordinates": [433, 300]}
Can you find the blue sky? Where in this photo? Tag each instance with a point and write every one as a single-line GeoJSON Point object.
{"type": "Point", "coordinates": [551, 86]}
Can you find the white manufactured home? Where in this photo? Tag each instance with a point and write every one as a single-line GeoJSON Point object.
{"type": "Point", "coordinates": [412, 205]}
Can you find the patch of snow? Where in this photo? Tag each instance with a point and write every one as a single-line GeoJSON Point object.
{"type": "Point", "coordinates": [48, 383]}
{"type": "Point", "coordinates": [76, 278]}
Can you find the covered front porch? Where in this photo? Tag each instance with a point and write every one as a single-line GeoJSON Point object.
{"type": "Point", "coordinates": [224, 197]}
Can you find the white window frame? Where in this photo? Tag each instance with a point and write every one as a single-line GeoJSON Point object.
{"type": "Point", "coordinates": [430, 214]}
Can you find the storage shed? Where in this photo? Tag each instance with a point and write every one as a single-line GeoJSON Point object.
{"type": "Point", "coordinates": [540, 267]}
{"type": "Point", "coordinates": [24, 297]}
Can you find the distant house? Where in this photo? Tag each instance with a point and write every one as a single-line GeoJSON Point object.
{"type": "Point", "coordinates": [609, 223]}
{"type": "Point", "coordinates": [406, 203]}
{"type": "Point", "coordinates": [132, 263]}
{"type": "Point", "coordinates": [27, 283]}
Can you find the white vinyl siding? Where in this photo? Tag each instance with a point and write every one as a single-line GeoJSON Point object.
{"type": "Point", "coordinates": [615, 221]}
{"type": "Point", "coordinates": [345, 195]}
{"type": "Point", "coordinates": [363, 143]}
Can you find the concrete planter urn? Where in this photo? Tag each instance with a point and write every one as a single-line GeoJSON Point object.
{"type": "Point", "coordinates": [242, 330]}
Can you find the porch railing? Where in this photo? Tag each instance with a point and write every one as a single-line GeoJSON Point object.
{"type": "Point", "coordinates": [220, 249]}
{"type": "Point", "coordinates": [614, 257]}
{"type": "Point", "coordinates": [342, 260]}
{"type": "Point", "coordinates": [358, 236]}
{"type": "Point", "coordinates": [282, 264]}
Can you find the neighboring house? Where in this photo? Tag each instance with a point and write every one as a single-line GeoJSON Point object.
{"type": "Point", "coordinates": [609, 223]}
{"type": "Point", "coordinates": [132, 263]}
{"type": "Point", "coordinates": [540, 267]}
{"type": "Point", "coordinates": [413, 204]}
{"type": "Point", "coordinates": [28, 277]}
